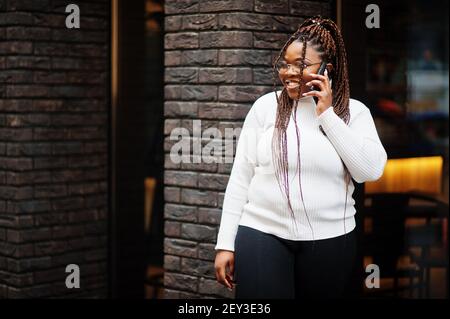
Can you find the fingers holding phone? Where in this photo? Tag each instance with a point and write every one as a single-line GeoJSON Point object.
{"type": "Point", "coordinates": [322, 91]}
{"type": "Point", "coordinates": [321, 71]}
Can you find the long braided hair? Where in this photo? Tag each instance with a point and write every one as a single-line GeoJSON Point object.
{"type": "Point", "coordinates": [324, 36]}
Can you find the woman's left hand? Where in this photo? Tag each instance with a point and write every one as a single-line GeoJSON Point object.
{"type": "Point", "coordinates": [325, 95]}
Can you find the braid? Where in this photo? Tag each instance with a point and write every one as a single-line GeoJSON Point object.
{"type": "Point", "coordinates": [324, 36]}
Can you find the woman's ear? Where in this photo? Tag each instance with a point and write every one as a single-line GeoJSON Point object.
{"type": "Point", "coordinates": [329, 68]}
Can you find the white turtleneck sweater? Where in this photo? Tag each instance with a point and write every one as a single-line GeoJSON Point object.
{"type": "Point", "coordinates": [253, 197]}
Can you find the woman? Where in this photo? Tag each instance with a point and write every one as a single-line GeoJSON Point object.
{"type": "Point", "coordinates": [287, 226]}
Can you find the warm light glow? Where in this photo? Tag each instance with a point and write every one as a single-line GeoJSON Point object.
{"type": "Point", "coordinates": [421, 174]}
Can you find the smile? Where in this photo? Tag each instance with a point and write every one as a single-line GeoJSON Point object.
{"type": "Point", "coordinates": [291, 84]}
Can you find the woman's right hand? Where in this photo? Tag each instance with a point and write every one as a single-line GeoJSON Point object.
{"type": "Point", "coordinates": [224, 265]}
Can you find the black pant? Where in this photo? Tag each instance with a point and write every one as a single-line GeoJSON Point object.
{"type": "Point", "coordinates": [267, 266]}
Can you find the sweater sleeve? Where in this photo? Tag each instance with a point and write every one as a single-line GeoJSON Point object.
{"type": "Point", "coordinates": [241, 175]}
{"type": "Point", "coordinates": [358, 144]}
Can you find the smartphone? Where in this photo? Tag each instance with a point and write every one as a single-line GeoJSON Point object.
{"type": "Point", "coordinates": [321, 71]}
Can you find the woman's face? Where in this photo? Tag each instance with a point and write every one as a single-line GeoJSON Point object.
{"type": "Point", "coordinates": [290, 77]}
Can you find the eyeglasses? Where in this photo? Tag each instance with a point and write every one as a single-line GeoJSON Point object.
{"type": "Point", "coordinates": [282, 66]}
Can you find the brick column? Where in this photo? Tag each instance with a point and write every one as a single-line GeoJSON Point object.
{"type": "Point", "coordinates": [218, 57]}
{"type": "Point", "coordinates": [53, 148]}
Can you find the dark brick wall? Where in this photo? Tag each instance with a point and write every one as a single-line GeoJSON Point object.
{"type": "Point", "coordinates": [218, 58]}
{"type": "Point", "coordinates": [53, 148]}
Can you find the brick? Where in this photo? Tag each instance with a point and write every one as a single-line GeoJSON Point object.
{"type": "Point", "coordinates": [200, 233]}
{"type": "Point", "coordinates": [199, 166]}
{"type": "Point", "coordinates": [172, 23]}
{"type": "Point", "coordinates": [67, 148]}
{"type": "Point", "coordinates": [199, 22]}
{"type": "Point", "coordinates": [49, 162]}
{"type": "Point", "coordinates": [245, 21]}
{"type": "Point", "coordinates": [31, 33]}
{"type": "Point", "coordinates": [180, 75]}
{"type": "Point", "coordinates": [309, 8]}
{"type": "Point", "coordinates": [50, 191]}
{"type": "Point", "coordinates": [228, 39]}
{"type": "Point", "coordinates": [16, 193]}
{"type": "Point", "coordinates": [172, 194]}
{"type": "Point", "coordinates": [170, 125]}
{"type": "Point", "coordinates": [17, 164]}
{"type": "Point", "coordinates": [180, 281]}
{"type": "Point", "coordinates": [32, 177]}
{"type": "Point", "coordinates": [177, 178]}
{"type": "Point", "coordinates": [30, 264]}
{"type": "Point", "coordinates": [50, 77]}
{"type": "Point", "coordinates": [170, 294]}
{"type": "Point", "coordinates": [50, 247]}
{"type": "Point", "coordinates": [199, 92]}
{"type": "Point", "coordinates": [16, 18]}
{"type": "Point", "coordinates": [269, 40]}
{"type": "Point", "coordinates": [28, 62]}
{"type": "Point", "coordinates": [83, 36]}
{"type": "Point", "coordinates": [198, 197]}
{"type": "Point", "coordinates": [16, 47]}
{"type": "Point", "coordinates": [19, 280]}
{"type": "Point", "coordinates": [180, 247]}
{"type": "Point", "coordinates": [286, 24]}
{"type": "Point", "coordinates": [197, 267]}
{"type": "Point", "coordinates": [84, 189]}
{"type": "Point", "coordinates": [181, 6]}
{"type": "Point", "coordinates": [242, 93]}
{"type": "Point", "coordinates": [28, 149]}
{"type": "Point", "coordinates": [206, 251]}
{"type": "Point", "coordinates": [96, 201]}
{"type": "Point", "coordinates": [23, 251]}
{"type": "Point", "coordinates": [180, 212]}
{"type": "Point", "coordinates": [212, 181]}
{"type": "Point", "coordinates": [172, 229]}
{"type": "Point", "coordinates": [172, 263]}
{"type": "Point", "coordinates": [265, 76]}
{"type": "Point", "coordinates": [209, 216]}
{"type": "Point", "coordinates": [225, 5]}
{"type": "Point", "coordinates": [9, 77]}
{"type": "Point", "coordinates": [172, 58]}
{"type": "Point", "coordinates": [272, 6]}
{"type": "Point", "coordinates": [20, 120]}
{"type": "Point", "coordinates": [172, 92]}
{"type": "Point", "coordinates": [225, 75]}
{"type": "Point", "coordinates": [245, 57]}
{"type": "Point", "coordinates": [27, 91]}
{"type": "Point", "coordinates": [27, 5]}
{"type": "Point", "coordinates": [226, 111]}
{"type": "Point", "coordinates": [50, 275]}
{"type": "Point", "coordinates": [168, 163]}
{"type": "Point", "coordinates": [68, 203]}
{"type": "Point", "coordinates": [199, 57]}
{"type": "Point", "coordinates": [93, 64]}
{"type": "Point", "coordinates": [67, 258]}
{"type": "Point", "coordinates": [181, 40]}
